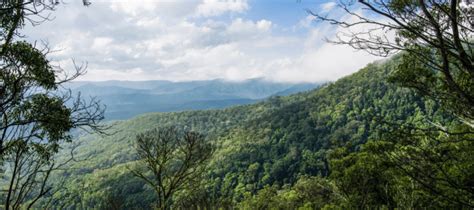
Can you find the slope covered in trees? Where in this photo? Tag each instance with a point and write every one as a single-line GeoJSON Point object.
{"type": "Point", "coordinates": [358, 143]}
{"type": "Point", "coordinates": [278, 147]}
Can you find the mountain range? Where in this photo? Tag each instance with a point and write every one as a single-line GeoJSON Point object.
{"type": "Point", "coordinates": [125, 99]}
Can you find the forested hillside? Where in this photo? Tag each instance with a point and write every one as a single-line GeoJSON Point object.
{"type": "Point", "coordinates": [397, 134]}
{"type": "Point", "coordinates": [273, 145]}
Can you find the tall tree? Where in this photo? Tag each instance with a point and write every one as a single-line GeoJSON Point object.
{"type": "Point", "coordinates": [435, 42]}
{"type": "Point", "coordinates": [37, 113]}
{"type": "Point", "coordinates": [435, 36]}
{"type": "Point", "coordinates": [173, 160]}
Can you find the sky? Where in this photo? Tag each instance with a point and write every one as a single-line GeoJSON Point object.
{"type": "Point", "coordinates": [183, 40]}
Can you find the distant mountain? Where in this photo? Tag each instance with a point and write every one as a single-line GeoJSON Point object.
{"type": "Point", "coordinates": [126, 99]}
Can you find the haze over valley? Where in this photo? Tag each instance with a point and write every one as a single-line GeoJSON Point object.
{"type": "Point", "coordinates": [236, 104]}
{"type": "Point", "coordinates": [126, 99]}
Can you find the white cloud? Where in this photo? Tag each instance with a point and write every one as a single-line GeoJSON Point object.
{"type": "Point", "coordinates": [101, 43]}
{"type": "Point", "coordinates": [324, 63]}
{"type": "Point", "coordinates": [306, 22]}
{"type": "Point", "coordinates": [264, 25]}
{"type": "Point", "coordinates": [243, 30]}
{"type": "Point", "coordinates": [151, 8]}
{"type": "Point", "coordinates": [328, 6]}
{"type": "Point", "coordinates": [217, 7]}
{"type": "Point", "coordinates": [133, 7]}
{"type": "Point", "coordinates": [134, 41]}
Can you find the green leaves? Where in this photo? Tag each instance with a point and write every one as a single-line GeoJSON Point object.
{"type": "Point", "coordinates": [174, 161]}
{"type": "Point", "coordinates": [28, 65]}
{"type": "Point", "coordinates": [52, 116]}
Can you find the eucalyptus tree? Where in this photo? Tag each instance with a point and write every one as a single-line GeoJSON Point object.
{"type": "Point", "coordinates": [37, 113]}
{"type": "Point", "coordinates": [434, 36]}
{"type": "Point", "coordinates": [171, 160]}
{"type": "Point", "coordinates": [434, 43]}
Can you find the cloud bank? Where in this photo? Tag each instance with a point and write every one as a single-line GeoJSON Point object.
{"type": "Point", "coordinates": [193, 40]}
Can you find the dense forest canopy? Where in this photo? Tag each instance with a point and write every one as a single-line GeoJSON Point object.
{"type": "Point", "coordinates": [308, 149]}
{"type": "Point", "coordinates": [396, 134]}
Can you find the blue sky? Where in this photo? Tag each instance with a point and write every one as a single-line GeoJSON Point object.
{"type": "Point", "coordinates": [198, 40]}
{"type": "Point", "coordinates": [286, 13]}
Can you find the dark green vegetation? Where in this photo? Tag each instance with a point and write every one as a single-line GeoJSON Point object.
{"type": "Point", "coordinates": [362, 142]}
{"type": "Point", "coordinates": [171, 161]}
{"type": "Point", "coordinates": [35, 118]}
{"type": "Point", "coordinates": [126, 99]}
{"type": "Point", "coordinates": [308, 149]}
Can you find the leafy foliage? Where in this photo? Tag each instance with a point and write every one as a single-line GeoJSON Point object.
{"type": "Point", "coordinates": [35, 116]}
{"type": "Point", "coordinates": [173, 161]}
{"type": "Point", "coordinates": [277, 145]}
